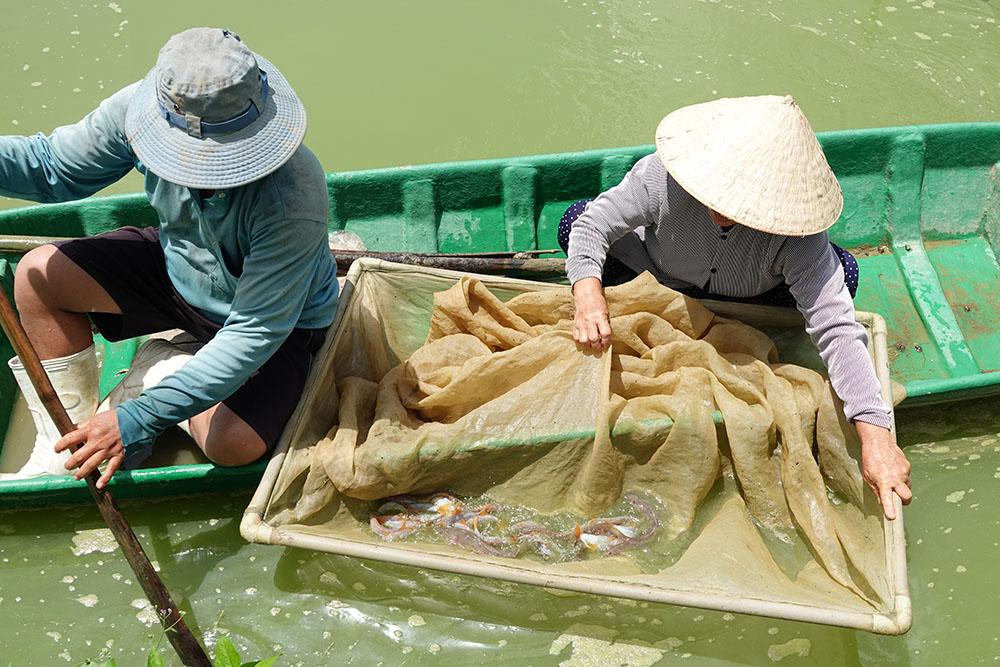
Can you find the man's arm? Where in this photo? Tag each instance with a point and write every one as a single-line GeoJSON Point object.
{"type": "Point", "coordinates": [816, 279]}
{"type": "Point", "coordinates": [271, 292]}
{"type": "Point", "coordinates": [73, 162]}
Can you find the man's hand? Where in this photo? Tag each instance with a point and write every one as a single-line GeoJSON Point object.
{"type": "Point", "coordinates": [884, 466]}
{"type": "Point", "coordinates": [591, 326]}
{"type": "Point", "coordinates": [100, 441]}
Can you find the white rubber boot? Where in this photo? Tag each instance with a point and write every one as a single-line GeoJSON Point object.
{"type": "Point", "coordinates": [76, 383]}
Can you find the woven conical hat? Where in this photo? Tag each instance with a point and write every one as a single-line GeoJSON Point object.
{"type": "Point", "coordinates": [755, 160]}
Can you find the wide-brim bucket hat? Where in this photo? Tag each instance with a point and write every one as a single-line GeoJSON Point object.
{"type": "Point", "coordinates": [754, 160]}
{"type": "Point", "coordinates": [212, 114]}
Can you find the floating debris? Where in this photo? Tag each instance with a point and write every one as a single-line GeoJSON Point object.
{"type": "Point", "coordinates": [587, 650]}
{"type": "Point", "coordinates": [488, 529]}
{"type": "Point", "coordinates": [98, 540]}
{"type": "Point", "coordinates": [87, 600]}
{"type": "Point", "coordinates": [798, 646]}
{"type": "Point", "coordinates": [147, 616]}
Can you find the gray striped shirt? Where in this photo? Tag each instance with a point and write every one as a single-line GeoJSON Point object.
{"type": "Point", "coordinates": [652, 224]}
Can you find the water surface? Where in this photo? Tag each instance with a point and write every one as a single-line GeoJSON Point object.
{"type": "Point", "coordinates": [74, 599]}
{"type": "Point", "coordinates": [392, 82]}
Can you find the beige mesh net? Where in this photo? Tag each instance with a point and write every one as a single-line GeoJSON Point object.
{"type": "Point", "coordinates": [439, 382]}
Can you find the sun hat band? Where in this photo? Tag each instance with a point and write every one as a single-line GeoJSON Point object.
{"type": "Point", "coordinates": [196, 127]}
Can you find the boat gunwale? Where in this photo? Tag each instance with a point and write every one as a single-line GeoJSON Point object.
{"type": "Point", "coordinates": [919, 391]}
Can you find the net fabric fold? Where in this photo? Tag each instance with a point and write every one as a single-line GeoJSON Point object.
{"type": "Point", "coordinates": [499, 400]}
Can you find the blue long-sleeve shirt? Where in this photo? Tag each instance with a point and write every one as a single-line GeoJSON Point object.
{"type": "Point", "coordinates": [253, 259]}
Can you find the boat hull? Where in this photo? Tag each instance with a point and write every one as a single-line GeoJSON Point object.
{"type": "Point", "coordinates": [921, 214]}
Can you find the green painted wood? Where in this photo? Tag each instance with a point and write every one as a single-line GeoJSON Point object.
{"type": "Point", "coordinates": [613, 170]}
{"type": "Point", "coordinates": [520, 197]}
{"type": "Point", "coordinates": [420, 215]}
{"type": "Point", "coordinates": [905, 180]}
{"type": "Point", "coordinates": [195, 478]}
{"type": "Point", "coordinates": [8, 387]}
{"type": "Point", "coordinates": [921, 214]}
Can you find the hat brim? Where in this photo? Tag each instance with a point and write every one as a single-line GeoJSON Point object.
{"type": "Point", "coordinates": [754, 160]}
{"type": "Point", "coordinates": [223, 161]}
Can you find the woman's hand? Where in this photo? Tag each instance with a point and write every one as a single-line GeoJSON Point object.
{"type": "Point", "coordinates": [591, 326]}
{"type": "Point", "coordinates": [99, 441]}
{"type": "Point", "coordinates": [884, 466]}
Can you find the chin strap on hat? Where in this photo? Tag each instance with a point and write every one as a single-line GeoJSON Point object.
{"type": "Point", "coordinates": [198, 128]}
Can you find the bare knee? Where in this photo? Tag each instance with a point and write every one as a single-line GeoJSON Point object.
{"type": "Point", "coordinates": [230, 441]}
{"type": "Point", "coordinates": [229, 452]}
{"type": "Point", "coordinates": [31, 281]}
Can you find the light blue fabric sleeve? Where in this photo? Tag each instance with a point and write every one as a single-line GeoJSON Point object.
{"type": "Point", "coordinates": [73, 162]}
{"type": "Point", "coordinates": [270, 295]}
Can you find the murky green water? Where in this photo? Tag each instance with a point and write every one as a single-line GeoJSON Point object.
{"type": "Point", "coordinates": [395, 82]}
{"type": "Point", "coordinates": [389, 83]}
{"type": "Point", "coordinates": [322, 609]}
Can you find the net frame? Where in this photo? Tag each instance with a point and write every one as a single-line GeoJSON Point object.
{"type": "Point", "coordinates": [894, 618]}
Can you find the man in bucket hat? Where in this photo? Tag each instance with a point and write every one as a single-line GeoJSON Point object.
{"type": "Point", "coordinates": [239, 259]}
{"type": "Point", "coordinates": [735, 205]}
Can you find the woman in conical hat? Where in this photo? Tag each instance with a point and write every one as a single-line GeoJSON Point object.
{"type": "Point", "coordinates": [735, 204]}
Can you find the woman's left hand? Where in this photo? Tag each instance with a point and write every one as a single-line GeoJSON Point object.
{"type": "Point", "coordinates": [884, 466]}
{"type": "Point", "coordinates": [99, 441]}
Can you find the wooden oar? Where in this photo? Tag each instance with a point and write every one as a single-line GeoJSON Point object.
{"type": "Point", "coordinates": [187, 647]}
{"type": "Point", "coordinates": [526, 264]}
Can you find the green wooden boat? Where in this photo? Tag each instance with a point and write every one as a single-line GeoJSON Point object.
{"type": "Point", "coordinates": [921, 213]}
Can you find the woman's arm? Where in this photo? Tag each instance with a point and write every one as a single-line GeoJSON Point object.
{"type": "Point", "coordinates": [616, 212]}
{"type": "Point", "coordinates": [816, 279]}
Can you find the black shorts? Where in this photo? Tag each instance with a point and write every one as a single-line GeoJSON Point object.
{"type": "Point", "coordinates": [129, 264]}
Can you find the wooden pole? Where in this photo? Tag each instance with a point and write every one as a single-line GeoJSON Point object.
{"type": "Point", "coordinates": [190, 651]}
{"type": "Point", "coordinates": [517, 264]}
{"type": "Point", "coordinates": [509, 265]}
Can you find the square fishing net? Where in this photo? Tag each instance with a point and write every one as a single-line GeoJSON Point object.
{"type": "Point", "coordinates": [699, 460]}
